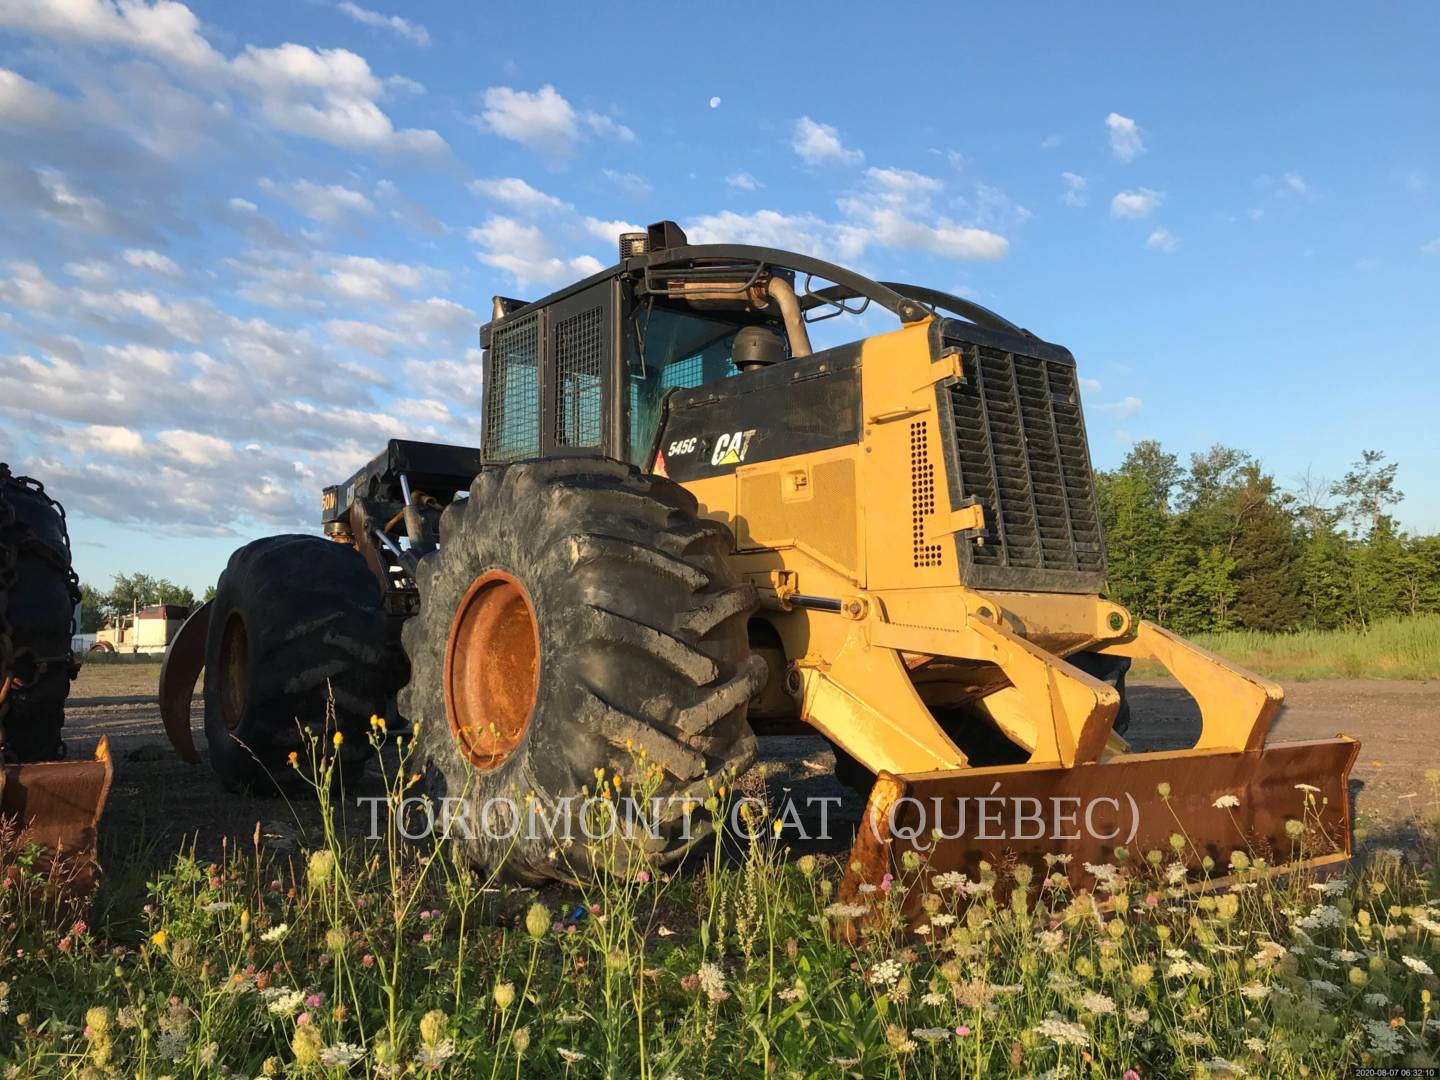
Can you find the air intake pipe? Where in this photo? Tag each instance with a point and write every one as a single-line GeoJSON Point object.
{"type": "Point", "coordinates": [783, 293]}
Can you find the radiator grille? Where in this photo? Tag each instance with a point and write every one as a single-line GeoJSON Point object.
{"type": "Point", "coordinates": [512, 400]}
{"type": "Point", "coordinates": [579, 348]}
{"type": "Point", "coordinates": [1020, 451]}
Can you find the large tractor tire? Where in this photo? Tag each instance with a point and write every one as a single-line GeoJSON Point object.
{"type": "Point", "coordinates": [38, 594]}
{"type": "Point", "coordinates": [577, 615]}
{"type": "Point", "coordinates": [296, 625]}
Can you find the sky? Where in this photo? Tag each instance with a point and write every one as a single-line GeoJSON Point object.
{"type": "Point", "coordinates": [242, 245]}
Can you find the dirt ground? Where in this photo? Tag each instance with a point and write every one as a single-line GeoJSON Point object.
{"type": "Point", "coordinates": [158, 801]}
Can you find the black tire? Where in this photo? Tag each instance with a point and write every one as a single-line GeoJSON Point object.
{"type": "Point", "coordinates": [296, 621]}
{"type": "Point", "coordinates": [39, 608]}
{"type": "Point", "coordinates": [642, 645]}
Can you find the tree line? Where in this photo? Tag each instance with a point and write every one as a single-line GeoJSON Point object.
{"type": "Point", "coordinates": [1217, 544]}
{"type": "Point", "coordinates": [128, 592]}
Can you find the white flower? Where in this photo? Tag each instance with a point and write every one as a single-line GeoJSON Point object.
{"type": "Point", "coordinates": [1321, 916]}
{"type": "Point", "coordinates": [1309, 788]}
{"type": "Point", "coordinates": [866, 888]}
{"type": "Point", "coordinates": [1226, 802]}
{"type": "Point", "coordinates": [1270, 951]}
{"type": "Point", "coordinates": [1254, 1045]}
{"type": "Point", "coordinates": [1050, 940]}
{"type": "Point", "coordinates": [569, 1056]}
{"type": "Point", "coordinates": [1347, 956]}
{"type": "Point", "coordinates": [1094, 1002]}
{"type": "Point", "coordinates": [1324, 986]}
{"type": "Point", "coordinates": [932, 998]}
{"type": "Point", "coordinates": [340, 1055]}
{"type": "Point", "coordinates": [1255, 991]}
{"type": "Point", "coordinates": [1415, 964]}
{"type": "Point", "coordinates": [942, 919]}
{"type": "Point", "coordinates": [1422, 921]}
{"type": "Point", "coordinates": [433, 1057]}
{"type": "Point", "coordinates": [712, 982]}
{"type": "Point", "coordinates": [885, 973]}
{"type": "Point", "coordinates": [1384, 1040]}
{"type": "Point", "coordinates": [1376, 1000]}
{"type": "Point", "coordinates": [1062, 1032]}
{"type": "Point", "coordinates": [932, 1034]}
{"type": "Point", "coordinates": [951, 879]}
{"type": "Point", "coordinates": [1333, 887]}
{"type": "Point", "coordinates": [1137, 1014]}
{"type": "Point", "coordinates": [1191, 1038]}
{"type": "Point", "coordinates": [846, 911]}
{"type": "Point", "coordinates": [276, 932]}
{"type": "Point", "coordinates": [218, 906]}
{"type": "Point", "coordinates": [288, 1003]}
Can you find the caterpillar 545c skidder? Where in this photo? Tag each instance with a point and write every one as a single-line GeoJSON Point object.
{"type": "Point", "coordinates": [685, 526]}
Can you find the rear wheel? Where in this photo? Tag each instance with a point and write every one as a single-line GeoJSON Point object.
{"type": "Point", "coordinates": [38, 594]}
{"type": "Point", "coordinates": [579, 614]}
{"type": "Point", "coordinates": [296, 625]}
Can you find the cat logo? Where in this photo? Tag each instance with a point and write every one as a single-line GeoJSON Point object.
{"type": "Point", "coordinates": [731, 449]}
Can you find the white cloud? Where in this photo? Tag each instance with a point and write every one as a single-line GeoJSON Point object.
{"type": "Point", "coordinates": [1123, 409]}
{"type": "Point", "coordinates": [1162, 240]}
{"type": "Point", "coordinates": [544, 121]}
{"type": "Point", "coordinates": [631, 184]}
{"type": "Point", "coordinates": [1135, 204]}
{"type": "Point", "coordinates": [153, 261]}
{"type": "Point", "coordinates": [744, 181]}
{"type": "Point", "coordinates": [24, 104]}
{"type": "Point", "coordinates": [517, 193]}
{"type": "Point", "coordinates": [766, 228]}
{"type": "Point", "coordinates": [610, 231]}
{"type": "Point", "coordinates": [522, 251]}
{"type": "Point", "coordinates": [111, 439]}
{"type": "Point", "coordinates": [327, 94]}
{"type": "Point", "coordinates": [714, 103]}
{"type": "Point", "coordinates": [1050, 142]}
{"type": "Point", "coordinates": [412, 32]}
{"type": "Point", "coordinates": [196, 447]}
{"type": "Point", "coordinates": [819, 144]}
{"type": "Point", "coordinates": [1295, 183]}
{"type": "Point", "coordinates": [368, 338]}
{"type": "Point", "coordinates": [1075, 193]}
{"type": "Point", "coordinates": [901, 186]}
{"type": "Point", "coordinates": [1089, 386]}
{"type": "Point", "coordinates": [1125, 140]}
{"type": "Point", "coordinates": [328, 204]}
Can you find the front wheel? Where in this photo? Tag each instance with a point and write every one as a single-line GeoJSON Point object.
{"type": "Point", "coordinates": [579, 616]}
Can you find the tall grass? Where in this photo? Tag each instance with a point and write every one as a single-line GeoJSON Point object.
{"type": "Point", "coordinates": [1406, 648]}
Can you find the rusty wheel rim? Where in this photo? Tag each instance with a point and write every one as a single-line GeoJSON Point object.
{"type": "Point", "coordinates": [492, 669]}
{"type": "Point", "coordinates": [234, 672]}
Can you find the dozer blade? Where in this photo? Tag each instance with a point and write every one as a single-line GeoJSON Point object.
{"type": "Point", "coordinates": [184, 657]}
{"type": "Point", "coordinates": [56, 805]}
{"type": "Point", "coordinates": [954, 820]}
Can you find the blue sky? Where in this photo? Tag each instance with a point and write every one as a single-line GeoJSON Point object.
{"type": "Point", "coordinates": [242, 245]}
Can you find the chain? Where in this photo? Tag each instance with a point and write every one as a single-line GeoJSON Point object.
{"type": "Point", "coordinates": [19, 664]}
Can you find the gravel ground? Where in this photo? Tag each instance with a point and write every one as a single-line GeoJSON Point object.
{"type": "Point", "coordinates": [158, 802]}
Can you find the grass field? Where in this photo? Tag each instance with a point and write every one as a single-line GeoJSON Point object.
{"type": "Point", "coordinates": [1389, 649]}
{"type": "Point", "coordinates": [349, 959]}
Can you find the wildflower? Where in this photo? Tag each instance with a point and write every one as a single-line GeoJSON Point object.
{"type": "Point", "coordinates": [898, 1039]}
{"type": "Point", "coordinates": [537, 920]}
{"type": "Point", "coordinates": [932, 998]}
{"type": "Point", "coordinates": [286, 1002]}
{"type": "Point", "coordinates": [377, 723]}
{"type": "Point", "coordinates": [217, 907]}
{"type": "Point", "coordinates": [797, 993]}
{"type": "Point", "coordinates": [1062, 1032]}
{"type": "Point", "coordinates": [1226, 802]}
{"type": "Point", "coordinates": [521, 1040]}
{"type": "Point", "coordinates": [712, 983]}
{"type": "Point", "coordinates": [306, 1044]}
{"type": "Point", "coordinates": [1141, 974]}
{"type": "Point", "coordinates": [432, 1058]}
{"type": "Point", "coordinates": [1309, 789]}
{"type": "Point", "coordinates": [1094, 1002]}
{"type": "Point", "coordinates": [570, 1057]}
{"type": "Point", "coordinates": [1415, 964]}
{"type": "Point", "coordinates": [1383, 1039]}
{"type": "Point", "coordinates": [320, 867]}
{"type": "Point", "coordinates": [1137, 1014]}
{"type": "Point", "coordinates": [1294, 829]}
{"type": "Point", "coordinates": [275, 933]}
{"type": "Point", "coordinates": [942, 919]}
{"type": "Point", "coordinates": [962, 1031]}
{"type": "Point", "coordinates": [97, 1019]}
{"type": "Point", "coordinates": [504, 994]}
{"type": "Point", "coordinates": [158, 938]}
{"type": "Point", "coordinates": [1255, 991]}
{"type": "Point", "coordinates": [1191, 1038]}
{"type": "Point", "coordinates": [338, 739]}
{"type": "Point", "coordinates": [806, 864]}
{"type": "Point", "coordinates": [844, 1062]}
{"type": "Point", "coordinates": [846, 911]}
{"type": "Point", "coordinates": [885, 973]}
{"type": "Point", "coordinates": [931, 1034]}
{"type": "Point", "coordinates": [336, 939]}
{"type": "Point", "coordinates": [294, 760]}
{"type": "Point", "coordinates": [341, 1055]}
{"type": "Point", "coordinates": [951, 879]}
{"type": "Point", "coordinates": [1130, 1074]}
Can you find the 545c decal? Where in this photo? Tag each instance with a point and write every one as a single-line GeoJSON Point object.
{"type": "Point", "coordinates": [728, 449]}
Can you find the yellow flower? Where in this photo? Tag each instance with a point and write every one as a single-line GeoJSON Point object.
{"type": "Point", "coordinates": [537, 920]}
{"type": "Point", "coordinates": [159, 937]}
{"type": "Point", "coordinates": [307, 1042]}
{"type": "Point", "coordinates": [504, 995]}
{"type": "Point", "coordinates": [432, 1026]}
{"type": "Point", "coordinates": [1141, 974]}
{"type": "Point", "coordinates": [378, 723]}
{"type": "Point", "coordinates": [338, 738]}
{"type": "Point", "coordinates": [294, 760]}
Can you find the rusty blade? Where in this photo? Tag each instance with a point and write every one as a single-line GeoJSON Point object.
{"type": "Point", "coordinates": [57, 805]}
{"type": "Point", "coordinates": [184, 657]}
{"type": "Point", "coordinates": [1011, 814]}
